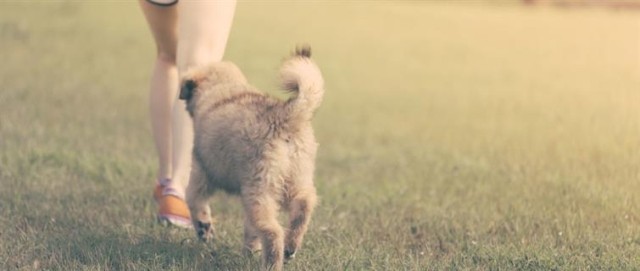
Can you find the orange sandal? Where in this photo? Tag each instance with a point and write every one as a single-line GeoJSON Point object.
{"type": "Point", "coordinates": [172, 209]}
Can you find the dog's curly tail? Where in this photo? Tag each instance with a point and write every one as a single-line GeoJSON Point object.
{"type": "Point", "coordinates": [301, 76]}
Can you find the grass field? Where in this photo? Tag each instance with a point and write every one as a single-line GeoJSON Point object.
{"type": "Point", "coordinates": [452, 137]}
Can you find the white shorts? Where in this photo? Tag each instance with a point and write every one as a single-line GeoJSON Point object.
{"type": "Point", "coordinates": [163, 3]}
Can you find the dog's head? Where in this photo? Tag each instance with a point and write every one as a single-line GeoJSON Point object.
{"type": "Point", "coordinates": [207, 77]}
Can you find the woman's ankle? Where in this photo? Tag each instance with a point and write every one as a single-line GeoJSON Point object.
{"type": "Point", "coordinates": [174, 188]}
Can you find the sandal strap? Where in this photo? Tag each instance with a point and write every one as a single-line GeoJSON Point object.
{"type": "Point", "coordinates": [169, 191]}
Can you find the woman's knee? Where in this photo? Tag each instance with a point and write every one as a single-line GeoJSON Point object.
{"type": "Point", "coordinates": [196, 56]}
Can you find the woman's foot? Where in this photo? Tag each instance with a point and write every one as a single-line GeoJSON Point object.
{"type": "Point", "coordinates": [172, 208]}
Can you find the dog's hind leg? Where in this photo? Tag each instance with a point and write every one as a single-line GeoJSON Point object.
{"type": "Point", "coordinates": [300, 210]}
{"type": "Point", "coordinates": [262, 212]}
{"type": "Point", "coordinates": [198, 195]}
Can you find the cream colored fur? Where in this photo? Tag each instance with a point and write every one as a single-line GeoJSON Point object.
{"type": "Point", "coordinates": [261, 148]}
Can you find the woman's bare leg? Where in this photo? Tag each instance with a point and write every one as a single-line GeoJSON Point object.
{"type": "Point", "coordinates": [203, 28]}
{"type": "Point", "coordinates": [187, 34]}
{"type": "Point", "coordinates": [164, 80]}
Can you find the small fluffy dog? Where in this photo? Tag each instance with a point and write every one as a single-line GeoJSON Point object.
{"type": "Point", "coordinates": [257, 146]}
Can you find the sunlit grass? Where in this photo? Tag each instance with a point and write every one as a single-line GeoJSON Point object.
{"type": "Point", "coordinates": [452, 137]}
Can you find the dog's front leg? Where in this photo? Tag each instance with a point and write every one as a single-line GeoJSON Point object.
{"type": "Point", "coordinates": [198, 195]}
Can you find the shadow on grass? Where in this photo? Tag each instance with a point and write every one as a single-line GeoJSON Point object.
{"type": "Point", "coordinates": [116, 251]}
{"type": "Point", "coordinates": [79, 239]}
{"type": "Point", "coordinates": [79, 228]}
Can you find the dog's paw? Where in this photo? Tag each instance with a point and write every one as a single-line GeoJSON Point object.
{"type": "Point", "coordinates": [204, 230]}
{"type": "Point", "coordinates": [289, 254]}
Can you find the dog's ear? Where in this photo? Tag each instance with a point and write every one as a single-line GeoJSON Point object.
{"type": "Point", "coordinates": [187, 89]}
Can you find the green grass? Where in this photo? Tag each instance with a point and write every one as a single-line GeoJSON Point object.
{"type": "Point", "coordinates": [452, 137]}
